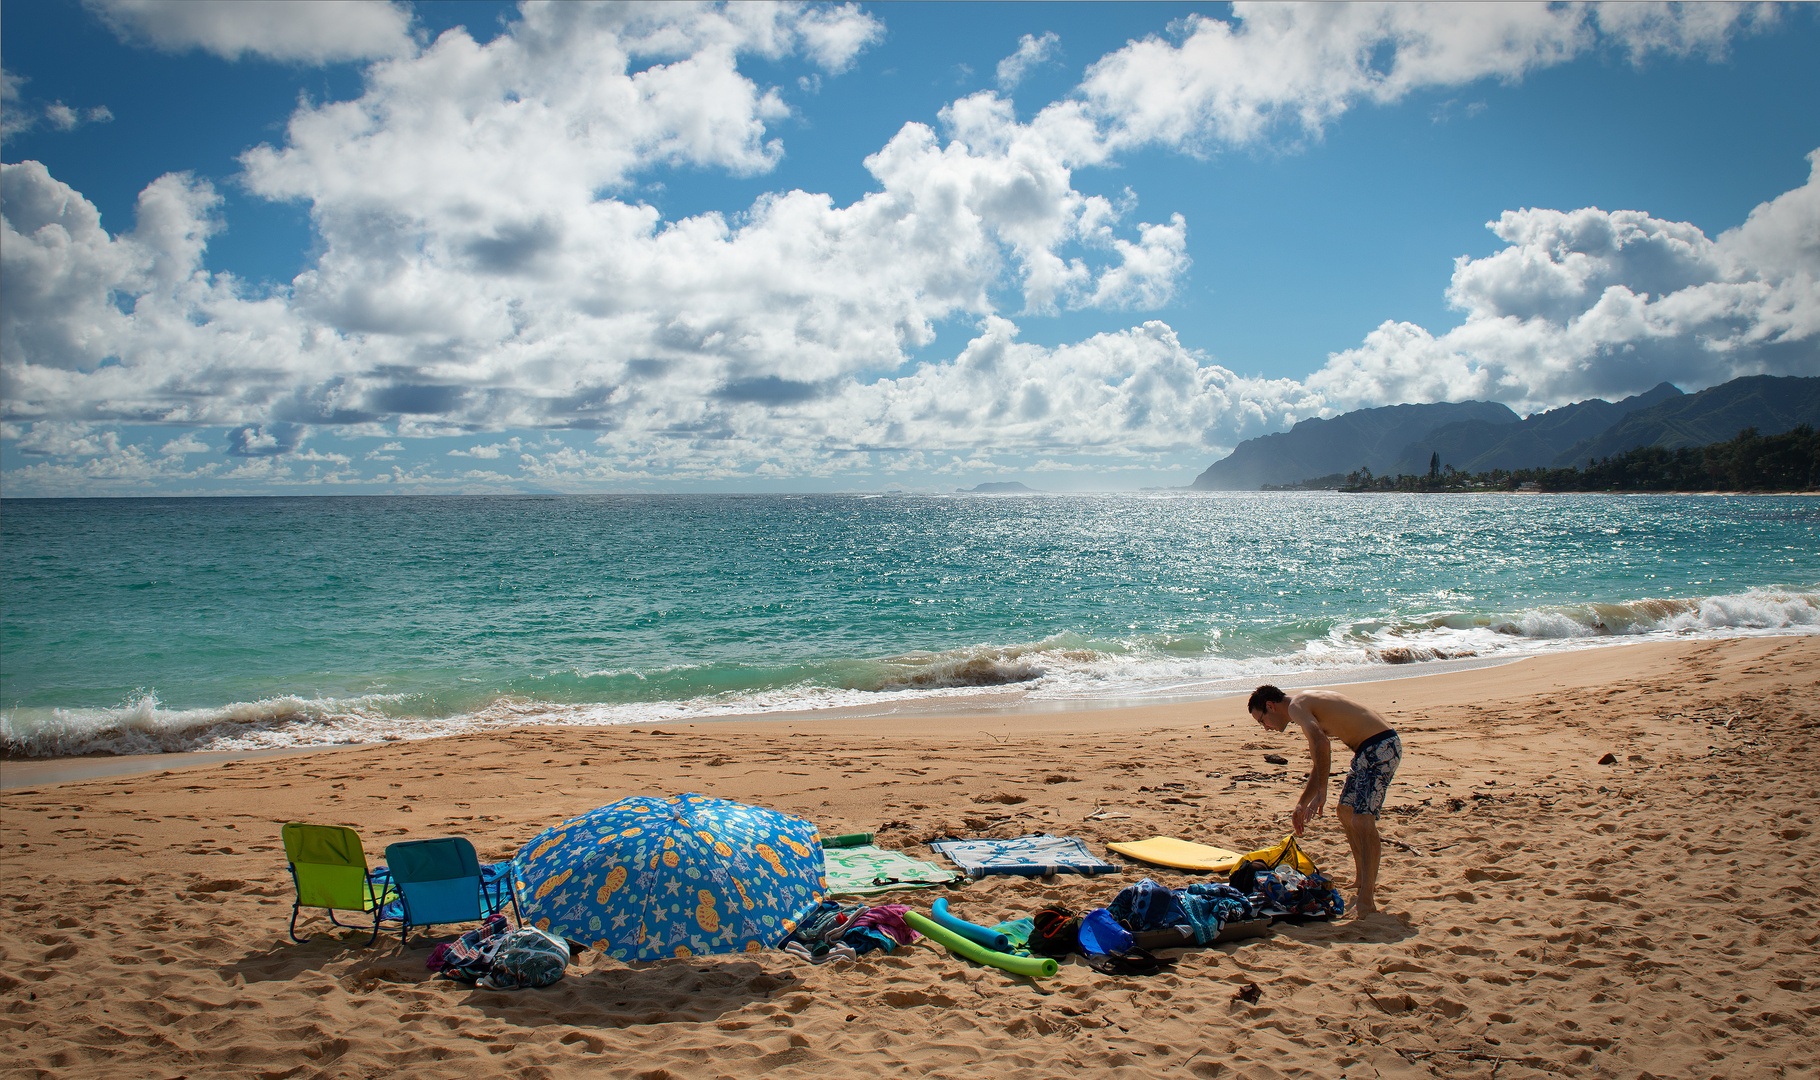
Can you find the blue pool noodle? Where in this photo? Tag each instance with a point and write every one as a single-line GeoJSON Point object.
{"type": "Point", "coordinates": [973, 932]}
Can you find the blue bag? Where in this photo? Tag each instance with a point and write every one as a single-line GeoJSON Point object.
{"type": "Point", "coordinates": [1101, 935]}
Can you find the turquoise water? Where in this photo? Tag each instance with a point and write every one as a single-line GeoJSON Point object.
{"type": "Point", "coordinates": [182, 624]}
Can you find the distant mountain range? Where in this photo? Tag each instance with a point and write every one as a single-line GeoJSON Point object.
{"type": "Point", "coordinates": [1478, 436]}
{"type": "Point", "coordinates": [1371, 437]}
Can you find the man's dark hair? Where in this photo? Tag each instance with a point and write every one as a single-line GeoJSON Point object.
{"type": "Point", "coordinates": [1264, 695]}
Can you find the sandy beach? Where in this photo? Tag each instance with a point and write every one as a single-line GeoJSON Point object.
{"type": "Point", "coordinates": [1546, 915]}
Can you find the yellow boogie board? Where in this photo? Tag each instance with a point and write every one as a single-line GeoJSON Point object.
{"type": "Point", "coordinates": [1186, 855]}
{"type": "Point", "coordinates": [1180, 854]}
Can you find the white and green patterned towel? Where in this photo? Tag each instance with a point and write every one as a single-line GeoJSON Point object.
{"type": "Point", "coordinates": [867, 869]}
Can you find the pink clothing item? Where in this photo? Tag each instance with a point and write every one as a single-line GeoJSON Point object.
{"type": "Point", "coordinates": [887, 919]}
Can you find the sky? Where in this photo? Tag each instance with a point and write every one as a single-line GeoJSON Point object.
{"type": "Point", "coordinates": [367, 247]}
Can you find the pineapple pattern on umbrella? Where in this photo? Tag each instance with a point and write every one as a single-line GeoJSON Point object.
{"type": "Point", "coordinates": [687, 875]}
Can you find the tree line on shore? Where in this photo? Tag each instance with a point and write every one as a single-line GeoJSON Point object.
{"type": "Point", "coordinates": [1789, 461]}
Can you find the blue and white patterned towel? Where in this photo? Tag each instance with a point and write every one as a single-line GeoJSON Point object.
{"type": "Point", "coordinates": [1026, 855]}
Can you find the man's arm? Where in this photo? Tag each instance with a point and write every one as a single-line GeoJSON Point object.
{"type": "Point", "coordinates": [1320, 750]}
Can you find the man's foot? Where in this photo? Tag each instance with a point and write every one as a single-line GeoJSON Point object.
{"type": "Point", "coordinates": [1356, 910]}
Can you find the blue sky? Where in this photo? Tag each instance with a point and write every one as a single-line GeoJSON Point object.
{"type": "Point", "coordinates": [473, 247]}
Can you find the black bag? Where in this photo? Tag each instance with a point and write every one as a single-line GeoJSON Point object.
{"type": "Point", "coordinates": [1057, 932]}
{"type": "Point", "coordinates": [1245, 878]}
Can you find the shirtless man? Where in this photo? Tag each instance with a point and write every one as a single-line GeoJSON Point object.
{"type": "Point", "coordinates": [1376, 751]}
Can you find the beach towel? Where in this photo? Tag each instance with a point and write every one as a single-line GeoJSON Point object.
{"type": "Point", "coordinates": [864, 869]}
{"type": "Point", "coordinates": [1018, 931]}
{"type": "Point", "coordinates": [1026, 855]}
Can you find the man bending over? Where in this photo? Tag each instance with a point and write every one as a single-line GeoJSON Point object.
{"type": "Point", "coordinates": [1376, 751]}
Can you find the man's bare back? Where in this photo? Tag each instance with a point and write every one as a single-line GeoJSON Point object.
{"type": "Point", "coordinates": [1338, 717]}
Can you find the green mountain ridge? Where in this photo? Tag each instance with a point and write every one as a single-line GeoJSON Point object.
{"type": "Point", "coordinates": [1476, 446]}
{"type": "Point", "coordinates": [1769, 403]}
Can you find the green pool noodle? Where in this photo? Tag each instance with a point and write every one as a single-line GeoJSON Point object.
{"type": "Point", "coordinates": [1036, 967]}
{"type": "Point", "coordinates": [852, 839]}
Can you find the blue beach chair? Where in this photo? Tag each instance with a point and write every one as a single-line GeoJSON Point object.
{"type": "Point", "coordinates": [442, 881]}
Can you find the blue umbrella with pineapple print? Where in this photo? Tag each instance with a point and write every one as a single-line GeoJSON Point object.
{"type": "Point", "coordinates": [687, 875]}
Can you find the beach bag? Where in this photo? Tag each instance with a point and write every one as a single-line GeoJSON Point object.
{"type": "Point", "coordinates": [1301, 890]}
{"type": "Point", "coordinates": [1057, 932]}
{"type": "Point", "coordinates": [526, 958]}
{"type": "Point", "coordinates": [1245, 877]}
{"type": "Point", "coordinates": [1284, 852]}
{"type": "Point", "coordinates": [468, 956]}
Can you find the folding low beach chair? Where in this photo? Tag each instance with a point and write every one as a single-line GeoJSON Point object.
{"type": "Point", "coordinates": [329, 868]}
{"type": "Point", "coordinates": [442, 881]}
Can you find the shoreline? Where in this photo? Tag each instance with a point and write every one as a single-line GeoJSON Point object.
{"type": "Point", "coordinates": [16, 773]}
{"type": "Point", "coordinates": [33, 772]}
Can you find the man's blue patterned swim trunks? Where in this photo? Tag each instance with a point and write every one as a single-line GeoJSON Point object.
{"type": "Point", "coordinates": [1373, 764]}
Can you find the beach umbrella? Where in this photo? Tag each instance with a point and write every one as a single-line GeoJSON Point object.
{"type": "Point", "coordinates": [686, 875]}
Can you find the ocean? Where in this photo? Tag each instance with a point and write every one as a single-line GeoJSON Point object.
{"type": "Point", "coordinates": [150, 625]}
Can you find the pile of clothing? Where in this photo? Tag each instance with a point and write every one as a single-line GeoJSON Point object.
{"type": "Point", "coordinates": [833, 931]}
{"type": "Point", "coordinates": [1196, 913]}
{"type": "Point", "coordinates": [1199, 911]}
{"type": "Point", "coordinates": [497, 957]}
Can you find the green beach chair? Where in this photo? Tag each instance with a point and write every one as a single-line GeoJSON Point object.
{"type": "Point", "coordinates": [329, 868]}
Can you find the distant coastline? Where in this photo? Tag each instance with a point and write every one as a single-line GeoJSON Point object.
{"type": "Point", "coordinates": [1749, 463]}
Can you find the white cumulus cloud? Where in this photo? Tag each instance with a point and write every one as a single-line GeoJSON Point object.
{"type": "Point", "coordinates": [1295, 68]}
{"type": "Point", "coordinates": [834, 36]}
{"type": "Point", "coordinates": [19, 114]}
{"type": "Point", "coordinates": [1032, 52]}
{"type": "Point", "coordinates": [478, 273]}
{"type": "Point", "coordinates": [1590, 303]}
{"type": "Point", "coordinates": [304, 31]}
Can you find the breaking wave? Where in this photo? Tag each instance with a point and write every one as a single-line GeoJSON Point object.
{"type": "Point", "coordinates": [1452, 635]}
{"type": "Point", "coordinates": [1062, 667]}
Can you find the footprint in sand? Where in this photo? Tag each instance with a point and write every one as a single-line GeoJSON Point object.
{"type": "Point", "coordinates": [1486, 873]}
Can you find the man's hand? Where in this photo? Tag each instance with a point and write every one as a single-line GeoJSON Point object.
{"type": "Point", "coordinates": [1307, 810]}
{"type": "Point", "coordinates": [1314, 796]}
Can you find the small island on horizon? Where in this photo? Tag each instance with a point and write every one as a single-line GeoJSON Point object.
{"type": "Point", "coordinates": [1001, 487]}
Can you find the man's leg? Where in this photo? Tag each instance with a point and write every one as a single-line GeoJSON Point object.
{"type": "Point", "coordinates": [1367, 848]}
{"type": "Point", "coordinates": [1344, 814]}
